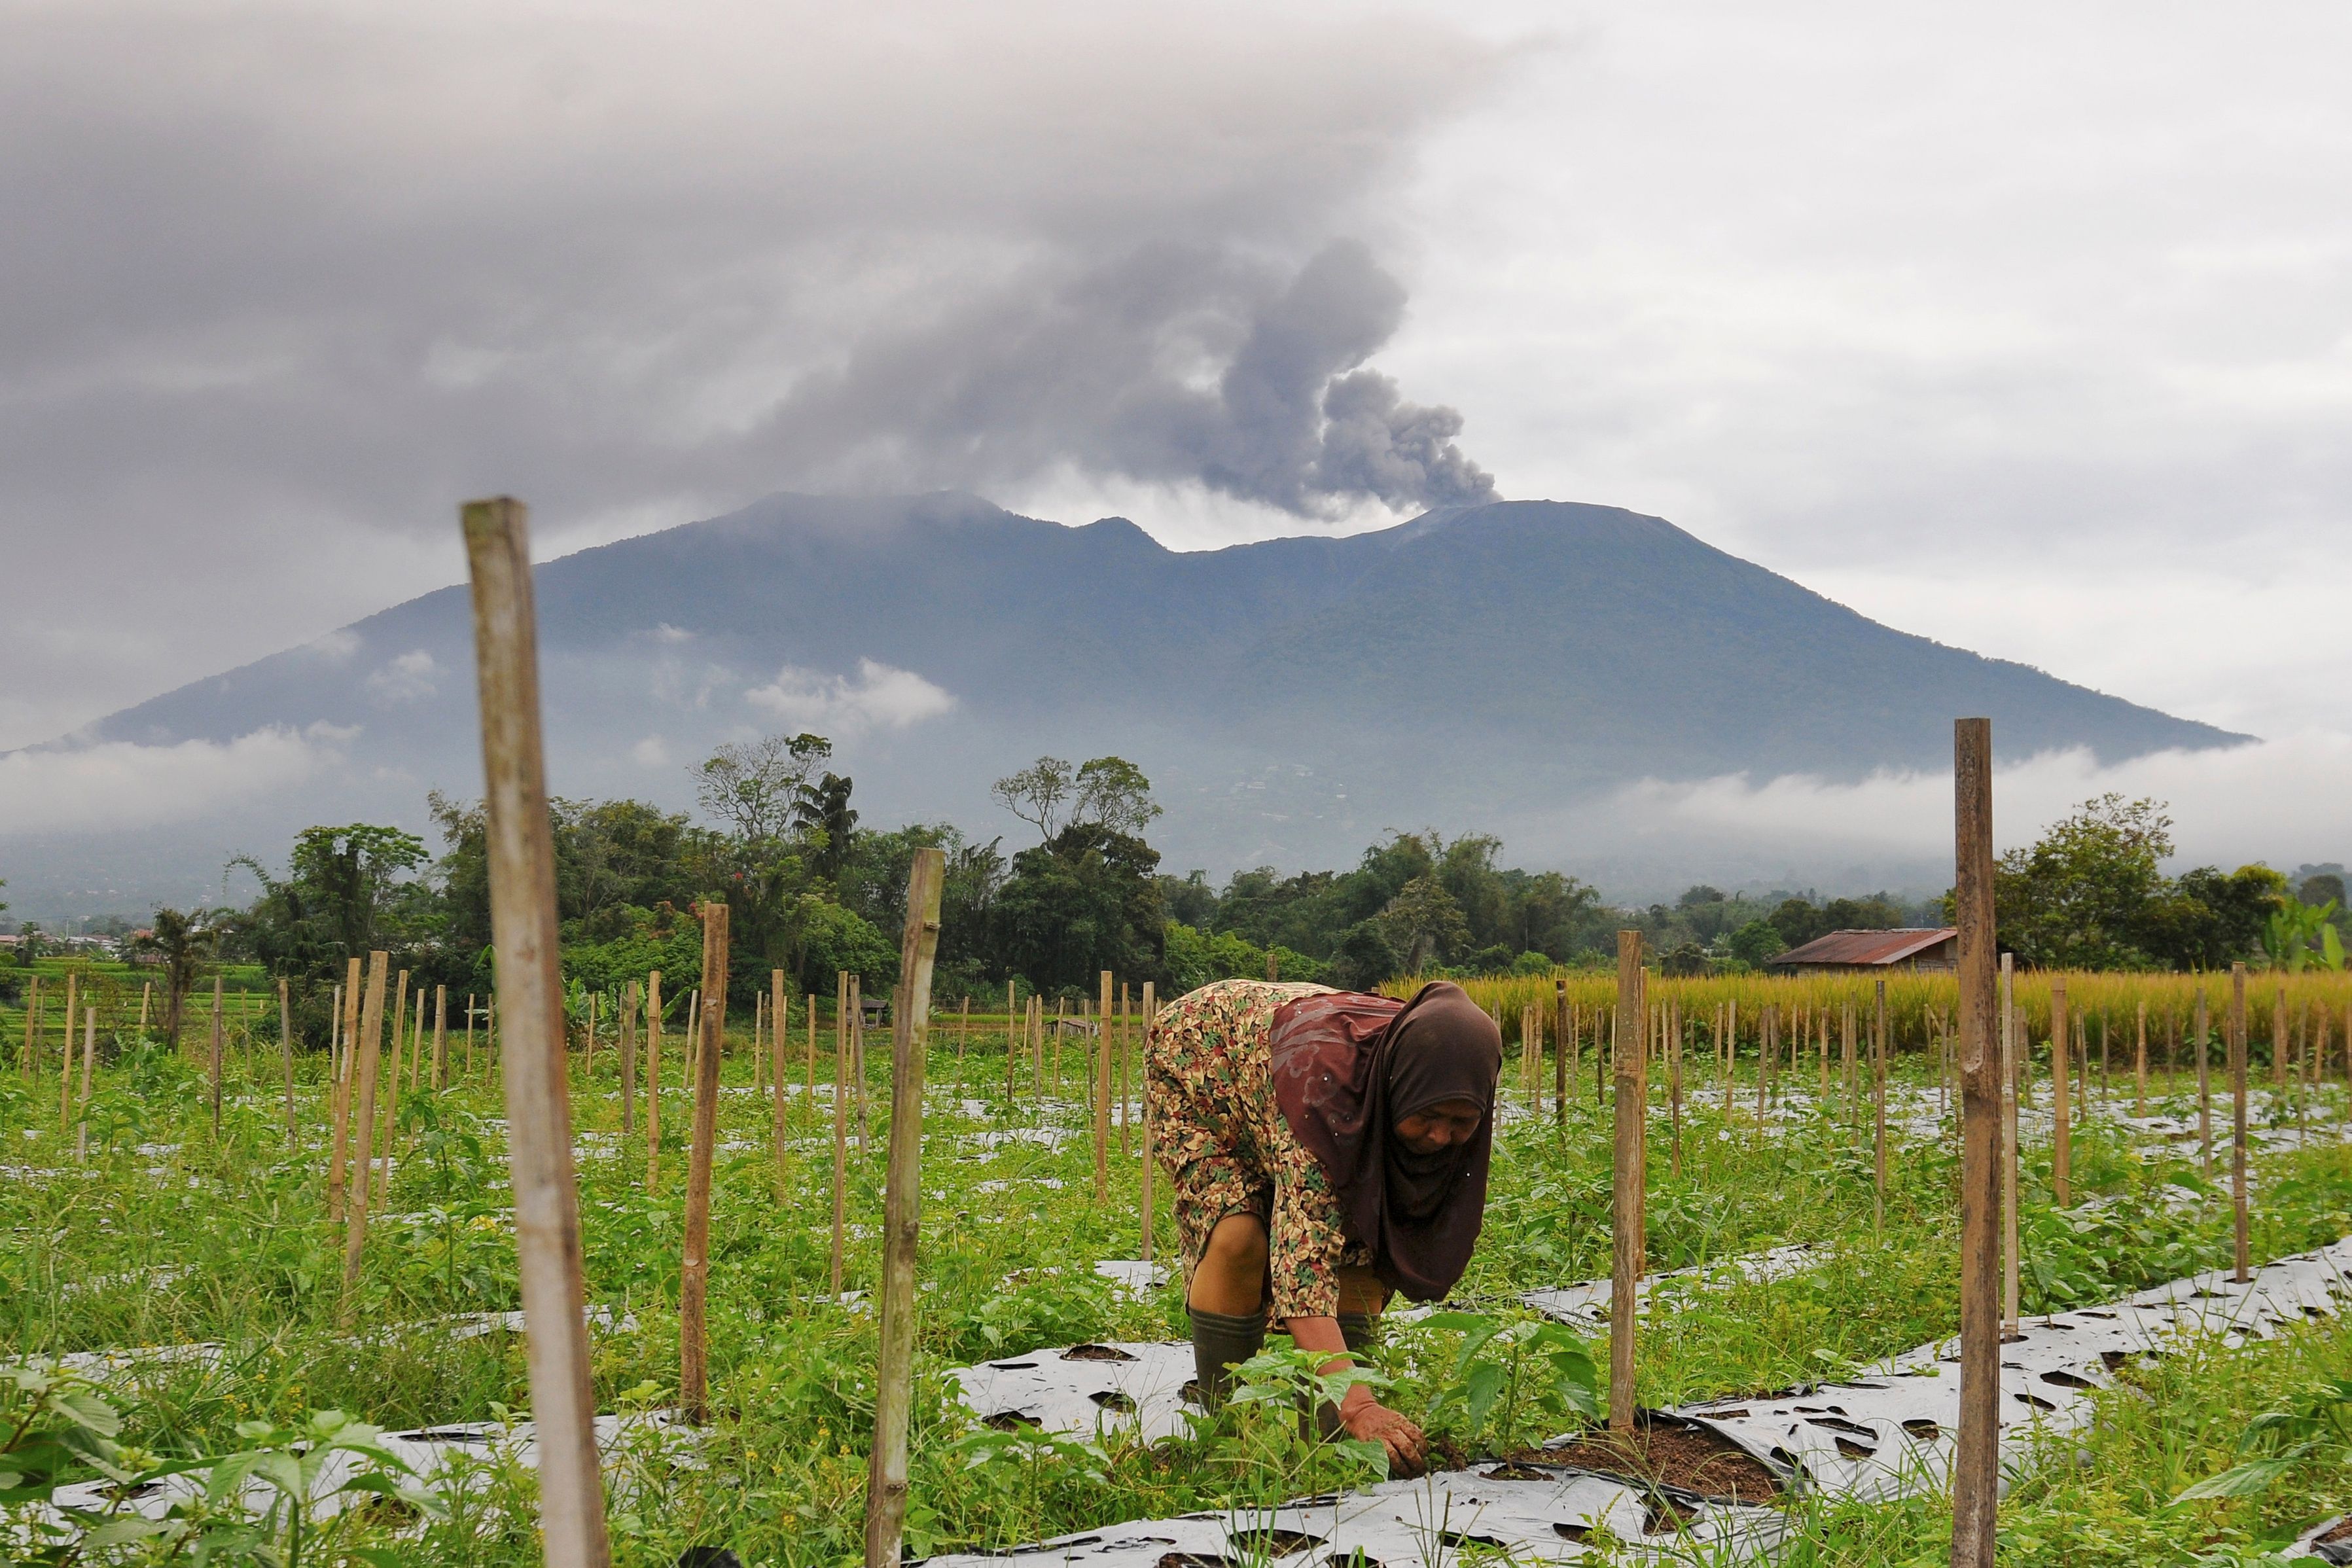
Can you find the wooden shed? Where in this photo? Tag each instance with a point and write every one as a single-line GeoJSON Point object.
{"type": "Point", "coordinates": [1843, 952]}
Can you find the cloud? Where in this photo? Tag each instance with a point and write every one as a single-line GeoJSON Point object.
{"type": "Point", "coordinates": [656, 278]}
{"type": "Point", "coordinates": [118, 785]}
{"type": "Point", "coordinates": [336, 646]}
{"type": "Point", "coordinates": [652, 752]}
{"type": "Point", "coordinates": [2283, 802]}
{"type": "Point", "coordinates": [880, 697]}
{"type": "Point", "coordinates": [409, 678]}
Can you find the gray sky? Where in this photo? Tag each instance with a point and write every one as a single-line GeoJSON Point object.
{"type": "Point", "coordinates": [2028, 327]}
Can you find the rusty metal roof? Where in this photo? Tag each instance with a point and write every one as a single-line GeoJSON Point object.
{"type": "Point", "coordinates": [1861, 948]}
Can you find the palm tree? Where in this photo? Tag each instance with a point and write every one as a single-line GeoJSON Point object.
{"type": "Point", "coordinates": [180, 943]}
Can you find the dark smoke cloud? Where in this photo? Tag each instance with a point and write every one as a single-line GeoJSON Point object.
{"type": "Point", "coordinates": [1170, 365]}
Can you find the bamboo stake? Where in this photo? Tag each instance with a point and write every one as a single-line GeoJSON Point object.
{"type": "Point", "coordinates": [88, 1063]}
{"type": "Point", "coordinates": [2061, 1072]}
{"type": "Point", "coordinates": [32, 1021]}
{"type": "Point", "coordinates": [1878, 1044]}
{"type": "Point", "coordinates": [2278, 1043]}
{"type": "Point", "coordinates": [964, 1031]}
{"type": "Point", "coordinates": [1126, 1104]}
{"type": "Point", "coordinates": [1674, 1080]}
{"type": "Point", "coordinates": [2139, 1063]}
{"type": "Point", "coordinates": [808, 1027]}
{"type": "Point", "coordinates": [347, 1012]}
{"type": "Point", "coordinates": [2009, 1139]}
{"type": "Point", "coordinates": [1852, 1071]}
{"type": "Point", "coordinates": [779, 1025]}
{"type": "Point", "coordinates": [857, 1057]}
{"type": "Point", "coordinates": [694, 1271]}
{"type": "Point", "coordinates": [469, 1036]}
{"type": "Point", "coordinates": [66, 1052]}
{"type": "Point", "coordinates": [440, 1038]}
{"type": "Point", "coordinates": [1976, 1466]}
{"type": "Point", "coordinates": [631, 1000]}
{"type": "Point", "coordinates": [902, 1197]}
{"type": "Point", "coordinates": [1626, 1221]}
{"type": "Point", "coordinates": [2238, 1121]}
{"type": "Point", "coordinates": [286, 1050]}
{"type": "Point", "coordinates": [1012, 1084]}
{"type": "Point", "coordinates": [652, 1080]}
{"type": "Point", "coordinates": [539, 1106]}
{"type": "Point", "coordinates": [1102, 1093]}
{"type": "Point", "coordinates": [2204, 1084]}
{"type": "Point", "coordinates": [392, 1081]}
{"type": "Point", "coordinates": [1562, 1049]}
{"type": "Point", "coordinates": [1150, 1016]}
{"type": "Point", "coordinates": [371, 1045]}
{"type": "Point", "coordinates": [840, 1120]}
{"type": "Point", "coordinates": [219, 1044]}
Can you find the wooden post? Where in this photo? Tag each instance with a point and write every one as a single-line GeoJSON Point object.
{"type": "Point", "coordinates": [808, 1029]}
{"type": "Point", "coordinates": [1011, 1083]}
{"type": "Point", "coordinates": [631, 999]}
{"type": "Point", "coordinates": [780, 1022]}
{"type": "Point", "coordinates": [652, 1080]}
{"type": "Point", "coordinates": [219, 1044]}
{"type": "Point", "coordinates": [1102, 1090]}
{"type": "Point", "coordinates": [857, 1055]}
{"type": "Point", "coordinates": [840, 1120]}
{"type": "Point", "coordinates": [963, 1032]}
{"type": "Point", "coordinates": [2008, 1140]}
{"type": "Point", "coordinates": [440, 1038]}
{"type": "Point", "coordinates": [1674, 1080]}
{"type": "Point", "coordinates": [1852, 1071]}
{"type": "Point", "coordinates": [1563, 1046]}
{"type": "Point", "coordinates": [25, 1066]}
{"type": "Point", "coordinates": [88, 1066]}
{"type": "Point", "coordinates": [286, 1050]}
{"type": "Point", "coordinates": [1626, 1219]}
{"type": "Point", "coordinates": [469, 1036]}
{"type": "Point", "coordinates": [1126, 1100]}
{"type": "Point", "coordinates": [66, 1052]}
{"type": "Point", "coordinates": [1976, 1466]}
{"type": "Point", "coordinates": [539, 1107]}
{"type": "Point", "coordinates": [2238, 1121]}
{"type": "Point", "coordinates": [370, 1045]}
{"type": "Point", "coordinates": [392, 1079]}
{"type": "Point", "coordinates": [2139, 1063]}
{"type": "Point", "coordinates": [1765, 1023]}
{"type": "Point", "coordinates": [1150, 1016]}
{"type": "Point", "coordinates": [694, 1270]}
{"type": "Point", "coordinates": [2278, 1043]}
{"type": "Point", "coordinates": [347, 1008]}
{"type": "Point", "coordinates": [902, 1198]}
{"type": "Point", "coordinates": [2204, 1084]}
{"type": "Point", "coordinates": [2061, 1072]}
{"type": "Point", "coordinates": [1878, 1044]}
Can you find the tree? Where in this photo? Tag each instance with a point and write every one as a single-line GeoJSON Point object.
{"type": "Point", "coordinates": [1755, 942]}
{"type": "Point", "coordinates": [1365, 957]}
{"type": "Point", "coordinates": [2078, 898]}
{"type": "Point", "coordinates": [1037, 794]}
{"type": "Point", "coordinates": [1797, 921]}
{"type": "Point", "coordinates": [824, 809]}
{"type": "Point", "coordinates": [1701, 894]}
{"type": "Point", "coordinates": [1424, 924]}
{"type": "Point", "coordinates": [1112, 794]}
{"type": "Point", "coordinates": [1085, 902]}
{"type": "Point", "coordinates": [754, 786]}
{"type": "Point", "coordinates": [180, 942]}
{"type": "Point", "coordinates": [349, 875]}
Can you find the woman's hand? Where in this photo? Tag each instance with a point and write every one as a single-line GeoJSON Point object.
{"type": "Point", "coordinates": [1369, 1421]}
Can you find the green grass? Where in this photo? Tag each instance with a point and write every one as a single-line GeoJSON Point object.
{"type": "Point", "coordinates": [225, 1239]}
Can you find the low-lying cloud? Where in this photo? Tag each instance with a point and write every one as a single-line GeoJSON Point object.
{"type": "Point", "coordinates": [2282, 802]}
{"type": "Point", "coordinates": [118, 785]}
{"type": "Point", "coordinates": [882, 697]}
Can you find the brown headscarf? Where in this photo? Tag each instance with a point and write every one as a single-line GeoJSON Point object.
{"type": "Point", "coordinates": [1346, 1067]}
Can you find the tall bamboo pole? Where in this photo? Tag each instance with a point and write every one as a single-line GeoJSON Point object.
{"type": "Point", "coordinates": [25, 1065]}
{"type": "Point", "coordinates": [1102, 1091]}
{"type": "Point", "coordinates": [963, 1032]}
{"type": "Point", "coordinates": [286, 1050]}
{"type": "Point", "coordinates": [2238, 1121]}
{"type": "Point", "coordinates": [1976, 1466]}
{"type": "Point", "coordinates": [1878, 1044]}
{"type": "Point", "coordinates": [469, 1036]}
{"type": "Point", "coordinates": [521, 857]}
{"type": "Point", "coordinates": [219, 1045]}
{"type": "Point", "coordinates": [652, 1080]}
{"type": "Point", "coordinates": [1563, 1048]}
{"type": "Point", "coordinates": [902, 1198]}
{"type": "Point", "coordinates": [392, 1079]}
{"type": "Point", "coordinates": [1125, 1088]}
{"type": "Point", "coordinates": [858, 1054]}
{"type": "Point", "coordinates": [370, 1046]}
{"type": "Point", "coordinates": [840, 1120]}
{"type": "Point", "coordinates": [440, 1038]}
{"type": "Point", "coordinates": [89, 1067]}
{"type": "Point", "coordinates": [2061, 1071]}
{"type": "Point", "coordinates": [631, 1000]}
{"type": "Point", "coordinates": [347, 1009]}
{"type": "Point", "coordinates": [66, 1051]}
{"type": "Point", "coordinates": [2204, 1083]}
{"type": "Point", "coordinates": [780, 1021]}
{"type": "Point", "coordinates": [1626, 1221]}
{"type": "Point", "coordinates": [2139, 1063]}
{"type": "Point", "coordinates": [694, 1270]}
{"type": "Point", "coordinates": [1150, 1015]}
{"type": "Point", "coordinates": [2008, 1142]}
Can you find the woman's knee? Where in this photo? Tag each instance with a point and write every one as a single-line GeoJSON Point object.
{"type": "Point", "coordinates": [1237, 1246]}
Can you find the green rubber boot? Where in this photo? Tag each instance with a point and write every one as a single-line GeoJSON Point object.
{"type": "Point", "coordinates": [1220, 1341]}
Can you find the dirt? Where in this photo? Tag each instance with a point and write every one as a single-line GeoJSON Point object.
{"type": "Point", "coordinates": [1667, 1454]}
{"type": "Point", "coordinates": [2343, 1531]}
{"type": "Point", "coordinates": [1096, 1352]}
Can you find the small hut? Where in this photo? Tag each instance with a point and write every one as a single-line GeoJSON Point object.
{"type": "Point", "coordinates": [1850, 952]}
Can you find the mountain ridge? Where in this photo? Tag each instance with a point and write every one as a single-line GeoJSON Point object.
{"type": "Point", "coordinates": [1292, 697]}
